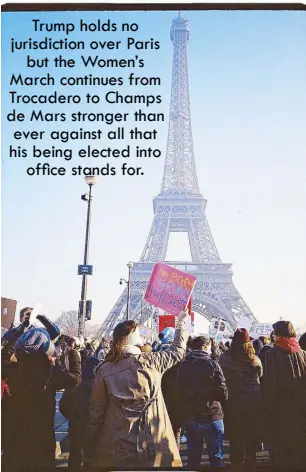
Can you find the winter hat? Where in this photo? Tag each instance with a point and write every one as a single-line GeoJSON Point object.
{"type": "Point", "coordinates": [90, 366]}
{"type": "Point", "coordinates": [241, 336]}
{"type": "Point", "coordinates": [35, 340]}
{"type": "Point", "coordinates": [167, 335]}
{"type": "Point", "coordinates": [51, 327]}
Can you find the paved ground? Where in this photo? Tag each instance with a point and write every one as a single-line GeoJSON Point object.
{"type": "Point", "coordinates": [61, 429]}
{"type": "Point", "coordinates": [262, 457]}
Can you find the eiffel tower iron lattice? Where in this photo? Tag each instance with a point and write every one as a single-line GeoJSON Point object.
{"type": "Point", "coordinates": [181, 208]}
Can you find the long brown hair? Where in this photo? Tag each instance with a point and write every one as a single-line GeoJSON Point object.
{"type": "Point", "coordinates": [243, 352]}
{"type": "Point", "coordinates": [121, 331]}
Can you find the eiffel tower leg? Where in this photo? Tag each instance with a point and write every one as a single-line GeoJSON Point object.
{"type": "Point", "coordinates": [157, 242]}
{"type": "Point", "coordinates": [195, 254]}
{"type": "Point", "coordinates": [203, 239]}
{"type": "Point", "coordinates": [239, 306]}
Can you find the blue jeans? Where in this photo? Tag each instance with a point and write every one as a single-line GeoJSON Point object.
{"type": "Point", "coordinates": [213, 433]}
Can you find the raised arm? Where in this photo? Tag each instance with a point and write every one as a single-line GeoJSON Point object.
{"type": "Point", "coordinates": [164, 360]}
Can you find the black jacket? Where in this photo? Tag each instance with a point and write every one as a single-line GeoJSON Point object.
{"type": "Point", "coordinates": [170, 389]}
{"type": "Point", "coordinates": [74, 404]}
{"type": "Point", "coordinates": [202, 388]}
{"type": "Point", "coordinates": [30, 437]}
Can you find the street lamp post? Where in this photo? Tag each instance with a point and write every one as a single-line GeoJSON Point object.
{"type": "Point", "coordinates": [130, 265]}
{"type": "Point", "coordinates": [128, 282]}
{"type": "Point", "coordinates": [90, 180]}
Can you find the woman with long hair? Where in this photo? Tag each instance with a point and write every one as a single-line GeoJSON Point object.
{"type": "Point", "coordinates": [128, 422]}
{"type": "Point", "coordinates": [242, 370]}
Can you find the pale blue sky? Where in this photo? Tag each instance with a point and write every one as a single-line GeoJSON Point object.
{"type": "Point", "coordinates": [247, 74]}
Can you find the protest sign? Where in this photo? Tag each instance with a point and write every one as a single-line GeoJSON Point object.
{"type": "Point", "coordinates": [145, 332]}
{"type": "Point", "coordinates": [165, 321]}
{"type": "Point", "coordinates": [169, 289]}
{"type": "Point", "coordinates": [244, 322]}
{"type": "Point", "coordinates": [8, 309]}
{"type": "Point", "coordinates": [261, 329]}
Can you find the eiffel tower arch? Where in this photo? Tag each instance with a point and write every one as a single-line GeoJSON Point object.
{"type": "Point", "coordinates": [180, 207]}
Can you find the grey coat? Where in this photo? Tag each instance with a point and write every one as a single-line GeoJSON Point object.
{"type": "Point", "coordinates": [128, 422]}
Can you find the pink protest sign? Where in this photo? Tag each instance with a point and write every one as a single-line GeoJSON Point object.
{"type": "Point", "coordinates": [169, 288]}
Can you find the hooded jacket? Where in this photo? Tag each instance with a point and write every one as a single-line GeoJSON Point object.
{"type": "Point", "coordinates": [202, 388]}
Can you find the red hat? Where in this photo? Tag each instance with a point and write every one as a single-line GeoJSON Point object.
{"type": "Point", "coordinates": [241, 336]}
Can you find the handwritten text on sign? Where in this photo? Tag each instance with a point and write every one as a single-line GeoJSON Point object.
{"type": "Point", "coordinates": [169, 288]}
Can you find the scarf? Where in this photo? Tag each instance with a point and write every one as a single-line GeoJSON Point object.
{"type": "Point", "coordinates": [131, 350]}
{"type": "Point", "coordinates": [289, 345]}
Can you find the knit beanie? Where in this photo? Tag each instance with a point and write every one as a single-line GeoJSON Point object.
{"type": "Point", "coordinates": [35, 340]}
{"type": "Point", "coordinates": [167, 335]}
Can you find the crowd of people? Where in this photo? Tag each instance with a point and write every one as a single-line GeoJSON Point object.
{"type": "Point", "coordinates": [129, 404]}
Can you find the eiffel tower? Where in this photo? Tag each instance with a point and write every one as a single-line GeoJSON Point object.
{"type": "Point", "coordinates": [180, 207]}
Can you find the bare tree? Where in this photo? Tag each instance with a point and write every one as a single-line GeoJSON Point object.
{"type": "Point", "coordinates": [92, 331]}
{"type": "Point", "coordinates": [68, 324]}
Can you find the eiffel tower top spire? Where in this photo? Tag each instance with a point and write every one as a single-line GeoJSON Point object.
{"type": "Point", "coordinates": [180, 175]}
